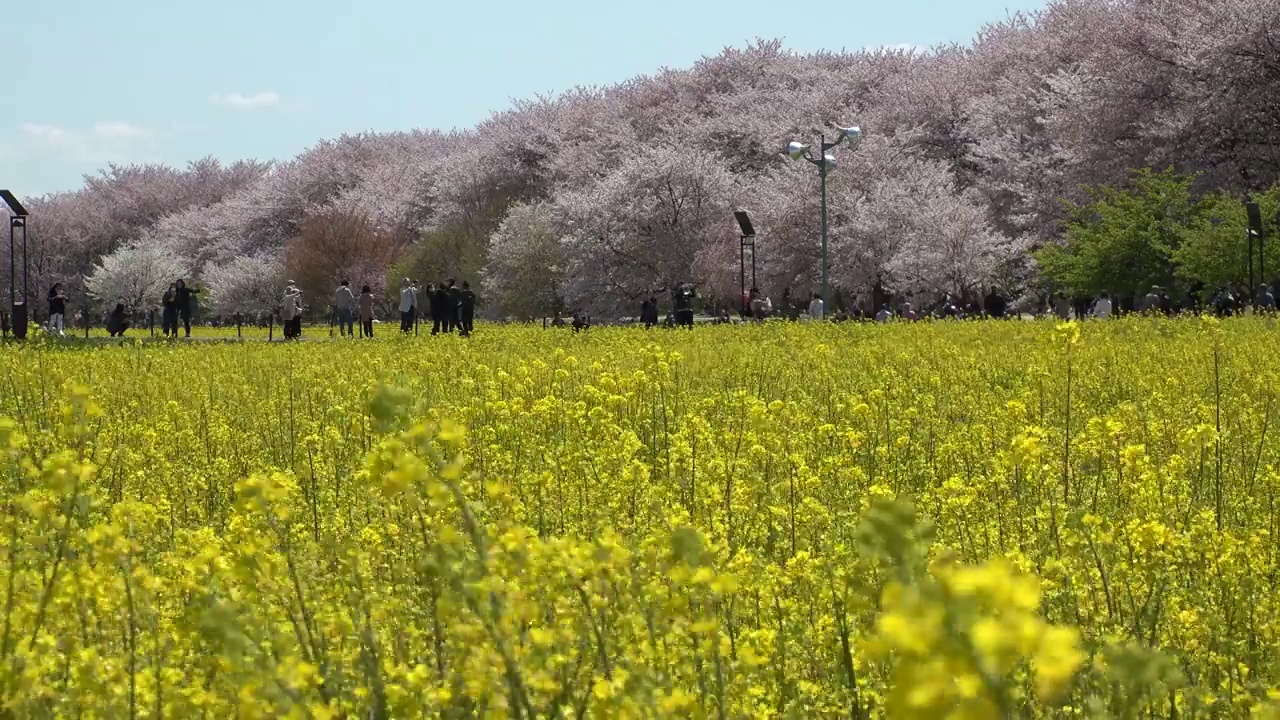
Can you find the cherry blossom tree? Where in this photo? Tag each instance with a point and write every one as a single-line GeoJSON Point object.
{"type": "Point", "coordinates": [642, 227]}
{"type": "Point", "coordinates": [970, 152]}
{"type": "Point", "coordinates": [136, 275]}
{"type": "Point", "coordinates": [249, 284]}
{"type": "Point", "coordinates": [526, 263]}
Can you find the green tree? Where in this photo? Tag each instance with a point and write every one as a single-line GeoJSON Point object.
{"type": "Point", "coordinates": [1125, 238]}
{"type": "Point", "coordinates": [1214, 247]}
{"type": "Point", "coordinates": [1155, 230]}
{"type": "Point", "coordinates": [455, 249]}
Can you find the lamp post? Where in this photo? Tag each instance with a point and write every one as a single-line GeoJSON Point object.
{"type": "Point", "coordinates": [824, 161]}
{"type": "Point", "coordinates": [1254, 231]}
{"type": "Point", "coordinates": [17, 220]}
{"type": "Point", "coordinates": [746, 241]}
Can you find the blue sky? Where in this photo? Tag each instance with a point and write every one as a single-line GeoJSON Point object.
{"type": "Point", "coordinates": [175, 80]}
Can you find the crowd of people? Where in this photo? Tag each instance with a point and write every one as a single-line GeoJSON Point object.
{"type": "Point", "coordinates": [1158, 300]}
{"type": "Point", "coordinates": [451, 308]}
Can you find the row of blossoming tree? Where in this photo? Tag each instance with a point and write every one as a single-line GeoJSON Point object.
{"type": "Point", "coordinates": [602, 196]}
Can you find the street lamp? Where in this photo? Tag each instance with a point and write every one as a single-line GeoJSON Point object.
{"type": "Point", "coordinates": [17, 220]}
{"type": "Point", "coordinates": [746, 241]}
{"type": "Point", "coordinates": [1254, 231]}
{"type": "Point", "coordinates": [825, 161]}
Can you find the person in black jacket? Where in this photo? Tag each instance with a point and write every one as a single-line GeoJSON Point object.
{"type": "Point", "coordinates": [183, 299]}
{"type": "Point", "coordinates": [453, 307]}
{"type": "Point", "coordinates": [995, 304]}
{"type": "Point", "coordinates": [467, 308]}
{"type": "Point", "coordinates": [649, 312]}
{"type": "Point", "coordinates": [682, 303]}
{"type": "Point", "coordinates": [440, 310]}
{"type": "Point", "coordinates": [117, 321]}
{"type": "Point", "coordinates": [169, 311]}
{"type": "Point", "coordinates": [57, 309]}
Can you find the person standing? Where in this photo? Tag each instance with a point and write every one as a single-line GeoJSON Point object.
{"type": "Point", "coordinates": [440, 310]}
{"type": "Point", "coordinates": [817, 310]}
{"type": "Point", "coordinates": [366, 311]}
{"type": "Point", "coordinates": [995, 304]}
{"type": "Point", "coordinates": [58, 309]}
{"type": "Point", "coordinates": [467, 308]}
{"type": "Point", "coordinates": [291, 312]}
{"type": "Point", "coordinates": [184, 298]}
{"type": "Point", "coordinates": [408, 302]}
{"type": "Point", "coordinates": [683, 306]}
{"type": "Point", "coordinates": [649, 312]}
{"type": "Point", "coordinates": [344, 303]}
{"type": "Point", "coordinates": [1102, 308]}
{"type": "Point", "coordinates": [169, 311]}
{"type": "Point", "coordinates": [287, 309]}
{"type": "Point", "coordinates": [1266, 300]}
{"type": "Point", "coordinates": [414, 307]}
{"type": "Point", "coordinates": [1061, 307]}
{"type": "Point", "coordinates": [1151, 303]}
{"type": "Point", "coordinates": [758, 310]}
{"type": "Point", "coordinates": [453, 307]}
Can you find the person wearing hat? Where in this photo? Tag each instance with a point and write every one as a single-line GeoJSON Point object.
{"type": "Point", "coordinates": [291, 311]}
{"type": "Point", "coordinates": [1151, 303]}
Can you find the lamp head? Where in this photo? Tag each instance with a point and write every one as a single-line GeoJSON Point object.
{"type": "Point", "coordinates": [852, 134]}
{"type": "Point", "coordinates": [830, 160]}
{"type": "Point", "coordinates": [797, 150]}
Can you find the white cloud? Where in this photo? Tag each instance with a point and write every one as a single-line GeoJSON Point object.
{"type": "Point", "coordinates": [47, 133]}
{"type": "Point", "coordinates": [103, 142]}
{"type": "Point", "coordinates": [239, 100]}
{"type": "Point", "coordinates": [119, 130]}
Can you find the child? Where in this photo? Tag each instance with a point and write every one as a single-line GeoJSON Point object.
{"type": "Point", "coordinates": [366, 311]}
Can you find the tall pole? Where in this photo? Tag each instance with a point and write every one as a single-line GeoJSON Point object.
{"type": "Point", "coordinates": [742, 274]}
{"type": "Point", "coordinates": [12, 269]}
{"type": "Point", "coordinates": [822, 171]}
{"type": "Point", "coordinates": [754, 283]}
{"type": "Point", "coordinates": [1251, 285]}
{"type": "Point", "coordinates": [26, 269]}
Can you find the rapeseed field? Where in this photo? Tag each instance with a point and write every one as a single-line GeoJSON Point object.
{"type": "Point", "coordinates": [946, 520]}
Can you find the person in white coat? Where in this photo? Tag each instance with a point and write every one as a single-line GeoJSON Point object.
{"type": "Point", "coordinates": [817, 309]}
{"type": "Point", "coordinates": [291, 312]}
{"type": "Point", "coordinates": [408, 304]}
{"type": "Point", "coordinates": [344, 305]}
{"type": "Point", "coordinates": [1102, 308]}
